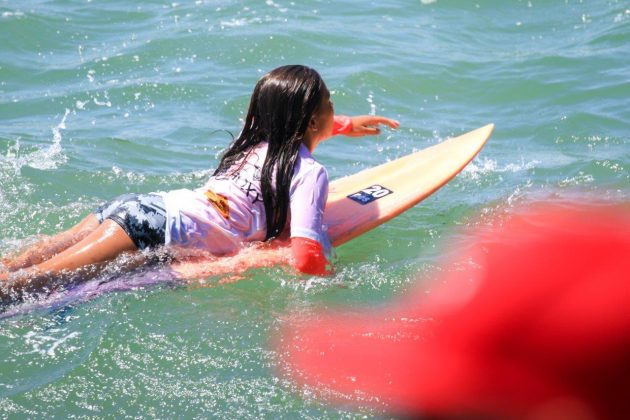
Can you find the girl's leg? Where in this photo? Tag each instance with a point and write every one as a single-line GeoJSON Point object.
{"type": "Point", "coordinates": [105, 243]}
{"type": "Point", "coordinates": [50, 246]}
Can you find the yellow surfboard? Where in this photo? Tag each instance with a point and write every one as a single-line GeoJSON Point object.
{"type": "Point", "coordinates": [365, 200]}
{"type": "Point", "coordinates": [360, 202]}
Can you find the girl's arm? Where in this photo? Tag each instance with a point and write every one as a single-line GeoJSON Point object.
{"type": "Point", "coordinates": [309, 199]}
{"type": "Point", "coordinates": [361, 125]}
{"type": "Point", "coordinates": [309, 193]}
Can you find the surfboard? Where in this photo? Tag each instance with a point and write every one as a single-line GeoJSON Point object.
{"type": "Point", "coordinates": [365, 200]}
{"type": "Point", "coordinates": [356, 204]}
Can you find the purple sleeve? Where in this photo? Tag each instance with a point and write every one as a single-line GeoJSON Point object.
{"type": "Point", "coordinates": [308, 200]}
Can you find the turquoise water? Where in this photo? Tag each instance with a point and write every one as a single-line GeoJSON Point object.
{"type": "Point", "coordinates": [102, 98]}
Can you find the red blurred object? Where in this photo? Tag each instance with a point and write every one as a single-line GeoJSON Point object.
{"type": "Point", "coordinates": [534, 324]}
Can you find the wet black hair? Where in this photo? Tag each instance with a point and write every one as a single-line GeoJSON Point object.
{"type": "Point", "coordinates": [280, 109]}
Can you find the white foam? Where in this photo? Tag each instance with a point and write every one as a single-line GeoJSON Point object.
{"type": "Point", "coordinates": [479, 167]}
{"type": "Point", "coordinates": [12, 14]}
{"type": "Point", "coordinates": [81, 104]}
{"type": "Point", "coordinates": [99, 103]}
{"type": "Point", "coordinates": [46, 345]}
{"type": "Point", "coordinates": [580, 179]}
{"type": "Point", "coordinates": [128, 175]}
{"type": "Point", "coordinates": [620, 17]}
{"type": "Point", "coordinates": [276, 5]}
{"type": "Point", "coordinates": [234, 23]}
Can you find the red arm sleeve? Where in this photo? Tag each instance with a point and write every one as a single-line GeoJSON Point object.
{"type": "Point", "coordinates": [308, 257]}
{"type": "Point", "coordinates": [342, 125]}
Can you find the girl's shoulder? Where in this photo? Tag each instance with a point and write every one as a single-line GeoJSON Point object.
{"type": "Point", "coordinates": [309, 171]}
{"type": "Point", "coordinates": [306, 162]}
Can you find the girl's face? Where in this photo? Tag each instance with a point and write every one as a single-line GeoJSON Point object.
{"type": "Point", "coordinates": [321, 125]}
{"type": "Point", "coordinates": [326, 113]}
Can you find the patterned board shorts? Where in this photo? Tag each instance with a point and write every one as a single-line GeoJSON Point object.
{"type": "Point", "coordinates": [142, 216]}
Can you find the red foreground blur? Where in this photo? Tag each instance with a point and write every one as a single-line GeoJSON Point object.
{"type": "Point", "coordinates": [534, 324]}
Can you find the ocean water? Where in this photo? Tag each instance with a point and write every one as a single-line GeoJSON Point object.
{"type": "Point", "coordinates": [102, 98]}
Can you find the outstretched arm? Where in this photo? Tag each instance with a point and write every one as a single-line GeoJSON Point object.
{"type": "Point", "coordinates": [361, 125]}
{"type": "Point", "coordinates": [304, 255]}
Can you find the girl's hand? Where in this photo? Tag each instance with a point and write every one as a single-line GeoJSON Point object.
{"type": "Point", "coordinates": [368, 125]}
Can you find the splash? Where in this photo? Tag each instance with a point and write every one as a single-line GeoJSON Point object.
{"type": "Point", "coordinates": [14, 188]}
{"type": "Point", "coordinates": [482, 167]}
{"type": "Point", "coordinates": [45, 158]}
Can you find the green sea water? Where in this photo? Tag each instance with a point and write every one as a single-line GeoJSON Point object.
{"type": "Point", "coordinates": [100, 98]}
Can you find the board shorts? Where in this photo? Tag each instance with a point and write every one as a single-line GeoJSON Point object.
{"type": "Point", "coordinates": [142, 217]}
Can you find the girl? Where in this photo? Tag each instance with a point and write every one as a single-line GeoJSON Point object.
{"type": "Point", "coordinates": [267, 185]}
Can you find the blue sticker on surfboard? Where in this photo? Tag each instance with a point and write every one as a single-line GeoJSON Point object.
{"type": "Point", "coordinates": [369, 194]}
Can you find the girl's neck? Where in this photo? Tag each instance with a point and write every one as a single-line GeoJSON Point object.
{"type": "Point", "coordinates": [310, 142]}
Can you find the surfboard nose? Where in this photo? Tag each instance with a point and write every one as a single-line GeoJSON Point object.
{"type": "Point", "coordinates": [484, 131]}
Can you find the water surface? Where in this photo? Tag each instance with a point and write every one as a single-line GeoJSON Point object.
{"type": "Point", "coordinates": [103, 98]}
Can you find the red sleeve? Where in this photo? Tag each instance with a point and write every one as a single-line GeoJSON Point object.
{"type": "Point", "coordinates": [308, 257]}
{"type": "Point", "coordinates": [342, 125]}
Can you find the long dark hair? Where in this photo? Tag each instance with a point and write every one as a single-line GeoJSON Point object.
{"type": "Point", "coordinates": [280, 109]}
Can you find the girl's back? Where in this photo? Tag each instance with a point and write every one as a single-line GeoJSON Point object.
{"type": "Point", "coordinates": [236, 213]}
